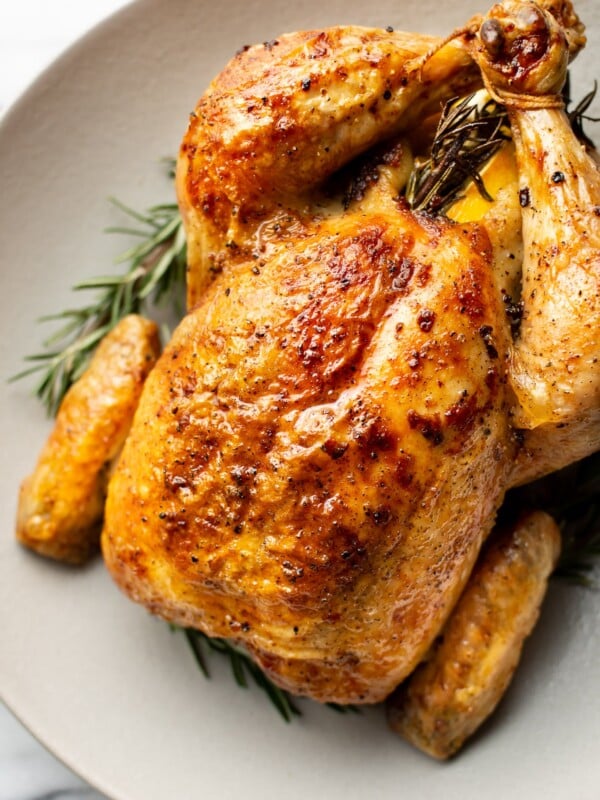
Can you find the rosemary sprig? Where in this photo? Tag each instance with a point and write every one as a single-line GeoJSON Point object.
{"type": "Point", "coordinates": [469, 132]}
{"type": "Point", "coordinates": [577, 114]}
{"type": "Point", "coordinates": [155, 273]}
{"type": "Point", "coordinates": [243, 667]}
{"type": "Point", "coordinates": [572, 497]}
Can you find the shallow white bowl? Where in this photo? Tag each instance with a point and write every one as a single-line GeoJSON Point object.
{"type": "Point", "coordinates": [107, 688]}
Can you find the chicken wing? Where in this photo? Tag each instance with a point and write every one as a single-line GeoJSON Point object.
{"type": "Point", "coordinates": [470, 666]}
{"type": "Point", "coordinates": [62, 503]}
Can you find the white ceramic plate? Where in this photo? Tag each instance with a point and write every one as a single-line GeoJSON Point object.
{"type": "Point", "coordinates": [110, 690]}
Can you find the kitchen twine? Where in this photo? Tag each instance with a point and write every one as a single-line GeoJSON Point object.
{"type": "Point", "coordinates": [512, 100]}
{"type": "Point", "coordinates": [522, 102]}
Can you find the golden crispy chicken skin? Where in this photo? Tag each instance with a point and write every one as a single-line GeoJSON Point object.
{"type": "Point", "coordinates": [61, 504]}
{"type": "Point", "coordinates": [467, 672]}
{"type": "Point", "coordinates": [337, 389]}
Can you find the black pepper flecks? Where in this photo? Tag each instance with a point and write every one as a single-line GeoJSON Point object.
{"type": "Point", "coordinates": [486, 333]}
{"type": "Point", "coordinates": [334, 449]}
{"type": "Point", "coordinates": [425, 319]}
{"type": "Point", "coordinates": [514, 312]}
{"type": "Point", "coordinates": [524, 197]}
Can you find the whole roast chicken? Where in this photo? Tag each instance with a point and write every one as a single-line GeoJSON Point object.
{"type": "Point", "coordinates": [320, 452]}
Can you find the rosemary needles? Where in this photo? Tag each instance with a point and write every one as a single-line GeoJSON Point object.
{"type": "Point", "coordinates": [242, 668]}
{"type": "Point", "coordinates": [469, 132]}
{"type": "Point", "coordinates": [572, 497]}
{"type": "Point", "coordinates": [155, 272]}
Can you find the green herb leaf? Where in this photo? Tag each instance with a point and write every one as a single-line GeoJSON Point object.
{"type": "Point", "coordinates": [155, 274]}
{"type": "Point", "coordinates": [242, 665]}
{"type": "Point", "coordinates": [469, 132]}
{"type": "Point", "coordinates": [572, 497]}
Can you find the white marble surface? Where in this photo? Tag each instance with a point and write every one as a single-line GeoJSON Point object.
{"type": "Point", "coordinates": [28, 772]}
{"type": "Point", "coordinates": [32, 34]}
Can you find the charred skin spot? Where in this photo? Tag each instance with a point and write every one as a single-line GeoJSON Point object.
{"type": "Point", "coordinates": [423, 275]}
{"type": "Point", "coordinates": [469, 294]}
{"type": "Point", "coordinates": [426, 319]}
{"type": "Point", "coordinates": [373, 435]}
{"type": "Point", "coordinates": [175, 482]}
{"type": "Point", "coordinates": [486, 332]}
{"type": "Point", "coordinates": [292, 571]}
{"type": "Point", "coordinates": [430, 427]}
{"type": "Point", "coordinates": [334, 449]}
{"type": "Point", "coordinates": [320, 47]}
{"type": "Point", "coordinates": [402, 273]}
{"type": "Point", "coordinates": [267, 439]}
{"type": "Point", "coordinates": [463, 414]}
{"type": "Point", "coordinates": [243, 475]}
{"type": "Point", "coordinates": [404, 469]}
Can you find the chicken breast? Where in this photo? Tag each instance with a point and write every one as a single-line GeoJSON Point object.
{"type": "Point", "coordinates": [300, 449]}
